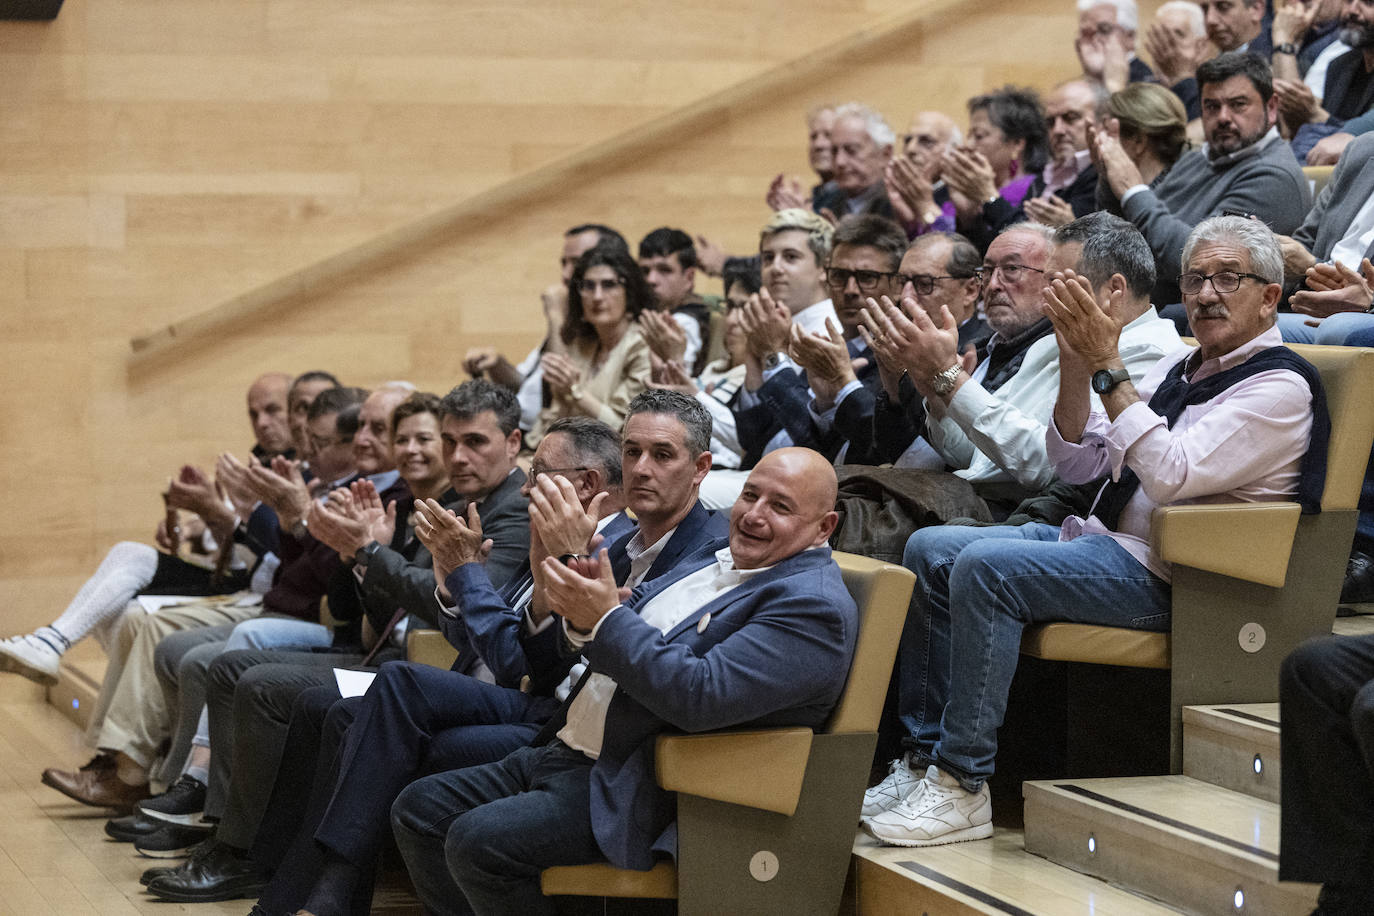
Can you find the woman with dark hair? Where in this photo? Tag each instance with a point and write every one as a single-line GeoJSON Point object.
{"type": "Point", "coordinates": [1008, 145]}
{"type": "Point", "coordinates": [1151, 126]}
{"type": "Point", "coordinates": [605, 361]}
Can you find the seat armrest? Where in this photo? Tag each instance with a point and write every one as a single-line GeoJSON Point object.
{"type": "Point", "coordinates": [759, 769]}
{"type": "Point", "coordinates": [429, 647]}
{"type": "Point", "coordinates": [1250, 541]}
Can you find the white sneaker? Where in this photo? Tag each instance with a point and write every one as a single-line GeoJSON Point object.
{"type": "Point", "coordinates": [897, 786]}
{"type": "Point", "coordinates": [30, 656]}
{"type": "Point", "coordinates": [942, 811]}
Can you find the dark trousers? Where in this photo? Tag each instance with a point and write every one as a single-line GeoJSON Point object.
{"type": "Point", "coordinates": [414, 720]}
{"type": "Point", "coordinates": [175, 576]}
{"type": "Point", "coordinates": [475, 840]}
{"type": "Point", "coordinates": [250, 693]}
{"type": "Point", "coordinates": [1326, 692]}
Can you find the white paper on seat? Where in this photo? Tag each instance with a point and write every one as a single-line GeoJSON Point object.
{"type": "Point", "coordinates": [353, 683]}
{"type": "Point", "coordinates": [151, 604]}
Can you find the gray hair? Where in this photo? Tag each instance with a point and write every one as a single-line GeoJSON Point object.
{"type": "Point", "coordinates": [878, 129]}
{"type": "Point", "coordinates": [1034, 228]}
{"type": "Point", "coordinates": [1266, 258]}
{"type": "Point", "coordinates": [1191, 11]}
{"type": "Point", "coordinates": [1111, 245]}
{"type": "Point", "coordinates": [594, 443]}
{"type": "Point", "coordinates": [695, 419]}
{"type": "Point", "coordinates": [1126, 15]}
{"type": "Point", "coordinates": [478, 395]}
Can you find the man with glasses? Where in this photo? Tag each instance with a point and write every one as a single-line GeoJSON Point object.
{"type": "Point", "coordinates": [1240, 417]}
{"type": "Point", "coordinates": [1243, 168]}
{"type": "Point", "coordinates": [416, 719]}
{"type": "Point", "coordinates": [834, 359]}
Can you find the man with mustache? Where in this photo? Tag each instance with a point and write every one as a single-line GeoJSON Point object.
{"type": "Point", "coordinates": [1239, 417]}
{"type": "Point", "coordinates": [1243, 168]}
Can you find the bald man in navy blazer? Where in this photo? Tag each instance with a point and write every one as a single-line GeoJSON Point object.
{"type": "Point", "coordinates": [757, 629]}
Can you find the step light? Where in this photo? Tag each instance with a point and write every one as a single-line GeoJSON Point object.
{"type": "Point", "coordinates": [1092, 845]}
{"type": "Point", "coordinates": [1239, 899]}
{"type": "Point", "coordinates": [1258, 765]}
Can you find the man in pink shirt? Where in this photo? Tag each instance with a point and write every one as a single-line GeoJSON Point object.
{"type": "Point", "coordinates": [1231, 419]}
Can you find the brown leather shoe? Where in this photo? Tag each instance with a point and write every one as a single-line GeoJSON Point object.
{"type": "Point", "coordinates": [97, 784]}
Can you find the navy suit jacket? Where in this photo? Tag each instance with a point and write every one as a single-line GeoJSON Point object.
{"type": "Point", "coordinates": [496, 631]}
{"type": "Point", "coordinates": [775, 652]}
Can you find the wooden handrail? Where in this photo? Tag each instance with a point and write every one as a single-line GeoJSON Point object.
{"type": "Point", "coordinates": [443, 224]}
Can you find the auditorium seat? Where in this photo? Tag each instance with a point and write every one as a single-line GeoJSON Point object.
{"type": "Point", "coordinates": [1250, 580]}
{"type": "Point", "coordinates": [766, 817]}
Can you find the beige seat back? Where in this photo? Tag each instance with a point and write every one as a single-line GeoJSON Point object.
{"type": "Point", "coordinates": [883, 593]}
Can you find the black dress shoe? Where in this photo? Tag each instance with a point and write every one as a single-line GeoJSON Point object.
{"type": "Point", "coordinates": [157, 871]}
{"type": "Point", "coordinates": [222, 873]}
{"type": "Point", "coordinates": [1358, 587]}
{"type": "Point", "coordinates": [131, 827]}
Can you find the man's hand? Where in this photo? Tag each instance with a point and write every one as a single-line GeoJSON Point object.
{"type": "Point", "coordinates": [826, 361]}
{"type": "Point", "coordinates": [583, 592]}
{"type": "Point", "coordinates": [337, 527]}
{"type": "Point", "coordinates": [1296, 258]}
{"type": "Point", "coordinates": [1292, 19]}
{"type": "Point", "coordinates": [1175, 58]}
{"type": "Point", "coordinates": [231, 476]}
{"type": "Point", "coordinates": [1088, 330]}
{"type": "Point", "coordinates": [665, 337]}
{"type": "Point", "coordinates": [909, 190]}
{"type": "Point", "coordinates": [908, 337]}
{"type": "Point", "coordinates": [1335, 288]}
{"type": "Point", "coordinates": [670, 375]}
{"type": "Point", "coordinates": [560, 373]}
{"type": "Point", "coordinates": [710, 256]}
{"type": "Point", "coordinates": [192, 491]}
{"type": "Point", "coordinates": [450, 540]}
{"type": "Point", "coordinates": [969, 173]}
{"type": "Point", "coordinates": [766, 324]}
{"type": "Point", "coordinates": [367, 506]}
{"type": "Point", "coordinates": [1329, 148]}
{"type": "Point", "coordinates": [786, 194]}
{"type": "Point", "coordinates": [1112, 161]}
{"type": "Point", "coordinates": [1297, 104]}
{"type": "Point", "coordinates": [556, 513]}
{"type": "Point", "coordinates": [1051, 211]}
{"type": "Point", "coordinates": [283, 488]}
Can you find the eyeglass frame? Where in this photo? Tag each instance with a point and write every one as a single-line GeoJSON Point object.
{"type": "Point", "coordinates": [1211, 278]}
{"type": "Point", "coordinates": [986, 273]}
{"type": "Point", "coordinates": [854, 275]}
{"type": "Point", "coordinates": [929, 281]}
{"type": "Point", "coordinates": [535, 472]}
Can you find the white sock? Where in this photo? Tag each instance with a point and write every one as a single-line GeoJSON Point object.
{"type": "Point", "coordinates": [126, 569]}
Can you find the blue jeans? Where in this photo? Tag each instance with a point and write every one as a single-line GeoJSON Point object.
{"type": "Point", "coordinates": [977, 589]}
{"type": "Point", "coordinates": [1334, 331]}
{"type": "Point", "coordinates": [475, 840]}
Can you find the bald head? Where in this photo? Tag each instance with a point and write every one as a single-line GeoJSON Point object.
{"type": "Point", "coordinates": [931, 133]}
{"type": "Point", "coordinates": [372, 442]}
{"type": "Point", "coordinates": [787, 506]}
{"type": "Point", "coordinates": [267, 412]}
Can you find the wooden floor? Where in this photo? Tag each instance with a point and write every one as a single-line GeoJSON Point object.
{"type": "Point", "coordinates": [54, 855]}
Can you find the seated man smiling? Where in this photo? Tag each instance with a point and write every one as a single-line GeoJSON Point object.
{"type": "Point", "coordinates": [716, 643]}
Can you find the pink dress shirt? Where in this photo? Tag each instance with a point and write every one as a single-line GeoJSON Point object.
{"type": "Point", "coordinates": [1245, 445]}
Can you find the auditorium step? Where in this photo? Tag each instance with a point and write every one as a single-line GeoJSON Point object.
{"type": "Point", "coordinates": [1202, 848]}
{"type": "Point", "coordinates": [993, 876]}
{"type": "Point", "coordinates": [1234, 746]}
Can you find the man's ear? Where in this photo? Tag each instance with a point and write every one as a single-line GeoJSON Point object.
{"type": "Point", "coordinates": [828, 523]}
{"type": "Point", "coordinates": [703, 464]}
{"type": "Point", "coordinates": [1271, 110]}
{"type": "Point", "coordinates": [513, 443]}
{"type": "Point", "coordinates": [691, 274]}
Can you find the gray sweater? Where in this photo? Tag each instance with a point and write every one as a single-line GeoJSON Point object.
{"type": "Point", "coordinates": [1264, 179]}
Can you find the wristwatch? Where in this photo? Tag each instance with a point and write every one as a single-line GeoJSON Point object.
{"type": "Point", "coordinates": [944, 382]}
{"type": "Point", "coordinates": [1286, 48]}
{"type": "Point", "coordinates": [1104, 380]}
{"type": "Point", "coordinates": [774, 360]}
{"type": "Point", "coordinates": [575, 391]}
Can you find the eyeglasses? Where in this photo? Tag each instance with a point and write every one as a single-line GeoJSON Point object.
{"type": "Point", "coordinates": [588, 287]}
{"type": "Point", "coordinates": [1226, 281]}
{"type": "Point", "coordinates": [924, 284]}
{"type": "Point", "coordinates": [536, 470]}
{"type": "Point", "coordinates": [1011, 273]}
{"type": "Point", "coordinates": [838, 278]}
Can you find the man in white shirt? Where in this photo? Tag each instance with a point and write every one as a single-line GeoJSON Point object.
{"type": "Point", "coordinates": [718, 643]}
{"type": "Point", "coordinates": [1232, 419]}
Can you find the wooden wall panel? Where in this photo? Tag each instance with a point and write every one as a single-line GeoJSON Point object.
{"type": "Point", "coordinates": [159, 156]}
